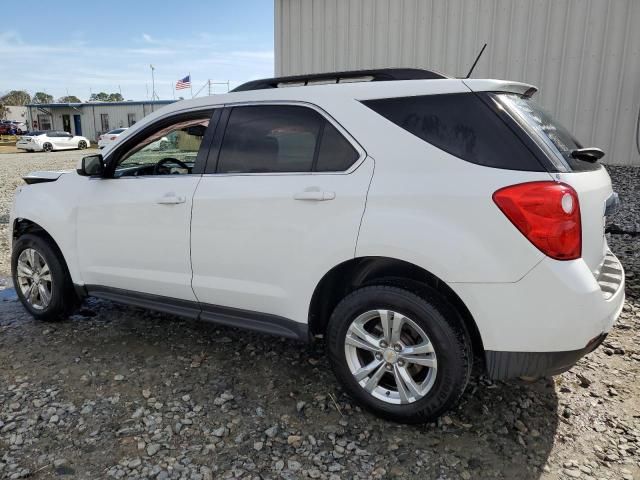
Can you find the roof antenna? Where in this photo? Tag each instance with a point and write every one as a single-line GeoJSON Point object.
{"type": "Point", "coordinates": [476, 62]}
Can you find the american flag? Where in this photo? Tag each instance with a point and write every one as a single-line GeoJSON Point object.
{"type": "Point", "coordinates": [184, 83]}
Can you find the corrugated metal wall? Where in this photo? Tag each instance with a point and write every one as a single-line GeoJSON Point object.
{"type": "Point", "coordinates": [584, 55]}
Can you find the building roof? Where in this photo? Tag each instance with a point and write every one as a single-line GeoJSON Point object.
{"type": "Point", "coordinates": [100, 104]}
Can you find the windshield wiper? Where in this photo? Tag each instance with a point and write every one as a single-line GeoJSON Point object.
{"type": "Point", "coordinates": [587, 154]}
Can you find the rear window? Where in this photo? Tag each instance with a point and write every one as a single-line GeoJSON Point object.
{"type": "Point", "coordinates": [540, 122]}
{"type": "Point", "coordinates": [116, 131]}
{"type": "Point", "coordinates": [460, 124]}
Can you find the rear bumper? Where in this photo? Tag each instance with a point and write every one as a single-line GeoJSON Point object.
{"type": "Point", "coordinates": [505, 365]}
{"type": "Point", "coordinates": [544, 323]}
{"type": "Point", "coordinates": [27, 146]}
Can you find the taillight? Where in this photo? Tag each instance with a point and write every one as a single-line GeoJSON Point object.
{"type": "Point", "coordinates": [547, 213]}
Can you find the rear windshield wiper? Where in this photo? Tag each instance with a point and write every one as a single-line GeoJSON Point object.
{"type": "Point", "coordinates": [587, 154]}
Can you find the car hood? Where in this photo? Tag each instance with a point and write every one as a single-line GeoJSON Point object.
{"type": "Point", "coordinates": [44, 176]}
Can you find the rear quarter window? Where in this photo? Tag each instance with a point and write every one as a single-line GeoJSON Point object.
{"type": "Point", "coordinates": [460, 124]}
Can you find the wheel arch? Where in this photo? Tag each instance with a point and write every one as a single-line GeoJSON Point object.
{"type": "Point", "coordinates": [22, 226]}
{"type": "Point", "coordinates": [362, 271]}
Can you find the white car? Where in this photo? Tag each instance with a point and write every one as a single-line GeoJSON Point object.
{"type": "Point", "coordinates": [40, 141]}
{"type": "Point", "coordinates": [415, 221]}
{"type": "Point", "coordinates": [110, 137]}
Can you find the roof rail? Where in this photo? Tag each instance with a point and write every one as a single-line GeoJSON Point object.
{"type": "Point", "coordinates": [377, 75]}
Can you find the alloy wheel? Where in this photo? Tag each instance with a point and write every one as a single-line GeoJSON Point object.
{"type": "Point", "coordinates": [390, 356]}
{"type": "Point", "coordinates": [34, 278]}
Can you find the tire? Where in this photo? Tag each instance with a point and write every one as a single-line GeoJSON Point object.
{"type": "Point", "coordinates": [47, 147]}
{"type": "Point", "coordinates": [82, 145]}
{"type": "Point", "coordinates": [436, 388]}
{"type": "Point", "coordinates": [62, 297]}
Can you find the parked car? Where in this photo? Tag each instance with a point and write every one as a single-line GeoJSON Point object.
{"type": "Point", "coordinates": [416, 222]}
{"type": "Point", "coordinates": [109, 137]}
{"type": "Point", "coordinates": [47, 141]}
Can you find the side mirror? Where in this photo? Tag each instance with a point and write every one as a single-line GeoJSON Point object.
{"type": "Point", "coordinates": [91, 166]}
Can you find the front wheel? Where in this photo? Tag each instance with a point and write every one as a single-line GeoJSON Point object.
{"type": "Point", "coordinates": [403, 356]}
{"type": "Point", "coordinates": [41, 279]}
{"type": "Point", "coordinates": [47, 147]}
{"type": "Point", "coordinates": [82, 145]}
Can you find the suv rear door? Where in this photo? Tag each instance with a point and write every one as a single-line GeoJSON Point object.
{"type": "Point", "coordinates": [279, 205]}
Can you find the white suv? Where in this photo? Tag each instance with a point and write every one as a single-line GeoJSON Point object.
{"type": "Point", "coordinates": [415, 221]}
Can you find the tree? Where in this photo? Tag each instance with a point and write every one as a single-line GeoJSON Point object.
{"type": "Point", "coordinates": [16, 98]}
{"type": "Point", "coordinates": [106, 97]}
{"type": "Point", "coordinates": [99, 97]}
{"type": "Point", "coordinates": [42, 97]}
{"type": "Point", "coordinates": [3, 111]}
{"type": "Point", "coordinates": [69, 99]}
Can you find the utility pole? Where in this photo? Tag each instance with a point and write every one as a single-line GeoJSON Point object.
{"type": "Point", "coordinates": [209, 82]}
{"type": "Point", "coordinates": [153, 83]}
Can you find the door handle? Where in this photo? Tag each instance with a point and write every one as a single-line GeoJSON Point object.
{"type": "Point", "coordinates": [315, 195]}
{"type": "Point", "coordinates": [171, 199]}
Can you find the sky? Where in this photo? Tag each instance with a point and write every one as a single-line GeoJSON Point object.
{"type": "Point", "coordinates": [79, 47]}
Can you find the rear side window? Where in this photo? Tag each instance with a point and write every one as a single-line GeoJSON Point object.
{"type": "Point", "coordinates": [282, 138]}
{"type": "Point", "coordinates": [336, 154]}
{"type": "Point", "coordinates": [462, 125]}
{"type": "Point", "coordinates": [278, 138]}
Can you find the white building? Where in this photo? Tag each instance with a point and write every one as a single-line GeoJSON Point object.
{"type": "Point", "coordinates": [583, 55]}
{"type": "Point", "coordinates": [89, 119]}
{"type": "Point", "coordinates": [16, 113]}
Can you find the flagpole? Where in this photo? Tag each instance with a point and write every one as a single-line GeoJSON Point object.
{"type": "Point", "coordinates": [191, 84]}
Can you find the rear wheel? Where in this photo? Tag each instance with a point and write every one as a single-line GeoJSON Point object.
{"type": "Point", "coordinates": [405, 357]}
{"type": "Point", "coordinates": [47, 147]}
{"type": "Point", "coordinates": [82, 145]}
{"type": "Point", "coordinates": [40, 276]}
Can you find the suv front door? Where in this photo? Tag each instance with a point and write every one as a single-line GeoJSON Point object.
{"type": "Point", "coordinates": [133, 225]}
{"type": "Point", "coordinates": [279, 205]}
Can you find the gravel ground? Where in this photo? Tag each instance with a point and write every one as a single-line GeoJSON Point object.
{"type": "Point", "coordinates": [119, 392]}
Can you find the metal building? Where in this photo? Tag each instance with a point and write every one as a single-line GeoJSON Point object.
{"type": "Point", "coordinates": [583, 55]}
{"type": "Point", "coordinates": [89, 119]}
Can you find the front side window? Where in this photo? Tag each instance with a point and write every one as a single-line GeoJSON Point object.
{"type": "Point", "coordinates": [282, 138]}
{"type": "Point", "coordinates": [169, 150]}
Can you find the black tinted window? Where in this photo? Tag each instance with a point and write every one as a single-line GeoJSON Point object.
{"type": "Point", "coordinates": [336, 154]}
{"type": "Point", "coordinates": [460, 124]}
{"type": "Point", "coordinates": [270, 138]}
